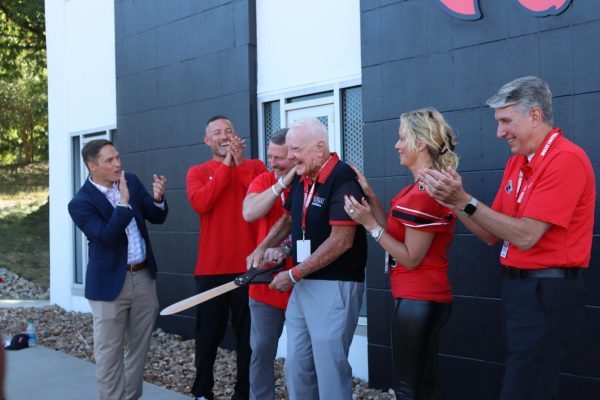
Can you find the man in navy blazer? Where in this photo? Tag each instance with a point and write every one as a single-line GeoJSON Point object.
{"type": "Point", "coordinates": [111, 209]}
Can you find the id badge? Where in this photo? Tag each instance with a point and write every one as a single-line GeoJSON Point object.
{"type": "Point", "coordinates": [302, 250]}
{"type": "Point", "coordinates": [504, 249]}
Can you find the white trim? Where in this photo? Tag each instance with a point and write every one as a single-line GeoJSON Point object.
{"type": "Point", "coordinates": [419, 212]}
{"type": "Point", "coordinates": [298, 105]}
{"type": "Point", "coordinates": [107, 128]}
{"type": "Point", "coordinates": [313, 87]}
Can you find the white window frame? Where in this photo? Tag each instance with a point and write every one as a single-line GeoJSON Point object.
{"type": "Point", "coordinates": [335, 99]}
{"type": "Point", "coordinates": [85, 136]}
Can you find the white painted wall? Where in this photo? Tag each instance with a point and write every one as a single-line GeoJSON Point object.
{"type": "Point", "coordinates": [308, 42]}
{"type": "Point", "coordinates": [81, 97]}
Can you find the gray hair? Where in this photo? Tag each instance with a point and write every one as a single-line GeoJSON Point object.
{"type": "Point", "coordinates": [314, 126]}
{"type": "Point", "coordinates": [278, 137]}
{"type": "Point", "coordinates": [526, 93]}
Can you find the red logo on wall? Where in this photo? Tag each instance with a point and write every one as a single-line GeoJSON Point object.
{"type": "Point", "coordinates": [469, 9]}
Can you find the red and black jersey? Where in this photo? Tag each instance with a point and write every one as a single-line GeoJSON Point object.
{"type": "Point", "coordinates": [413, 208]}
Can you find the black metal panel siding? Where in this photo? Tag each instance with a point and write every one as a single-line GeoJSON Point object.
{"type": "Point", "coordinates": [178, 62]}
{"type": "Point", "coordinates": [415, 55]}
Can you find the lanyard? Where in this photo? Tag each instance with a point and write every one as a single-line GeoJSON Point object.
{"type": "Point", "coordinates": [308, 197]}
{"type": "Point", "coordinates": [528, 169]}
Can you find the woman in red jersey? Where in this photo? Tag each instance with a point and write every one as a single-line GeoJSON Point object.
{"type": "Point", "coordinates": [416, 234]}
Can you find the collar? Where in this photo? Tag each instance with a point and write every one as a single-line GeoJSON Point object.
{"type": "Point", "coordinates": [103, 189]}
{"type": "Point", "coordinates": [530, 156]}
{"type": "Point", "coordinates": [326, 170]}
{"type": "Point", "coordinates": [529, 164]}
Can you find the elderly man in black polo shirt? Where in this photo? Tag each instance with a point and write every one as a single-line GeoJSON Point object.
{"type": "Point", "coordinates": [330, 252]}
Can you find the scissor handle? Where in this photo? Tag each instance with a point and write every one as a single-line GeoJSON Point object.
{"type": "Point", "coordinates": [253, 273]}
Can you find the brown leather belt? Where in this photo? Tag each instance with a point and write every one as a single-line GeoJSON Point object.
{"type": "Point", "coordinates": [136, 267]}
{"type": "Point", "coordinates": [557, 272]}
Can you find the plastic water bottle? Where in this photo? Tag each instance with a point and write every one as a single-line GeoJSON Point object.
{"type": "Point", "coordinates": [31, 334]}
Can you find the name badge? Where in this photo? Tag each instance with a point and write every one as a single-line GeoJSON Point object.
{"type": "Point", "coordinates": [302, 250]}
{"type": "Point", "coordinates": [504, 249]}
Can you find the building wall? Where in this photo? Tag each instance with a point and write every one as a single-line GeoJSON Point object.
{"type": "Point", "coordinates": [81, 98]}
{"type": "Point", "coordinates": [416, 55]}
{"type": "Point", "coordinates": [177, 64]}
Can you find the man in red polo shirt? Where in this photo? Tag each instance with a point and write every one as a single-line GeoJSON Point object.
{"type": "Point", "coordinates": [215, 191]}
{"type": "Point", "coordinates": [544, 214]}
{"type": "Point", "coordinates": [264, 204]}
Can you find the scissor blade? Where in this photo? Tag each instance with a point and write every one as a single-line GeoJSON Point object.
{"type": "Point", "coordinates": [198, 298]}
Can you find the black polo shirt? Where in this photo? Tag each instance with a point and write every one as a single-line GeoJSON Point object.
{"type": "Point", "coordinates": [326, 209]}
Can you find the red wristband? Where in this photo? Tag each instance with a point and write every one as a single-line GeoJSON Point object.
{"type": "Point", "coordinates": [296, 274]}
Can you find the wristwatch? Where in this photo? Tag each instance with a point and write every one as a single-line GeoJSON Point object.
{"type": "Point", "coordinates": [377, 233]}
{"type": "Point", "coordinates": [471, 206]}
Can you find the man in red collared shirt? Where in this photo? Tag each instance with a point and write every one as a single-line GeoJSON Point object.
{"type": "Point", "coordinates": [330, 252]}
{"type": "Point", "coordinates": [216, 190]}
{"type": "Point", "coordinates": [264, 204]}
{"type": "Point", "coordinates": [544, 214]}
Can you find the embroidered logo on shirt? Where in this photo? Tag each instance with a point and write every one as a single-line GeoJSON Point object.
{"type": "Point", "coordinates": [509, 187]}
{"type": "Point", "coordinates": [318, 201]}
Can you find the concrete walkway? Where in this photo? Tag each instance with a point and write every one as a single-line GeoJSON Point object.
{"type": "Point", "coordinates": [42, 373]}
{"type": "Point", "coordinates": [7, 303]}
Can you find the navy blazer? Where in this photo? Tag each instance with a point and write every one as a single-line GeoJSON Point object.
{"type": "Point", "coordinates": [104, 227]}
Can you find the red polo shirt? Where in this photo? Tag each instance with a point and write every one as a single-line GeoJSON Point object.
{"type": "Point", "coordinates": [562, 193]}
{"type": "Point", "coordinates": [414, 208]}
{"type": "Point", "coordinates": [216, 192]}
{"type": "Point", "coordinates": [261, 292]}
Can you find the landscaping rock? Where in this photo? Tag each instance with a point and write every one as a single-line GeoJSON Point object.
{"type": "Point", "coordinates": [170, 359]}
{"type": "Point", "coordinates": [15, 287]}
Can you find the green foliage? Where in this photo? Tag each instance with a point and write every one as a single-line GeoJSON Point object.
{"type": "Point", "coordinates": [24, 248]}
{"type": "Point", "coordinates": [23, 82]}
{"type": "Point", "coordinates": [23, 119]}
{"type": "Point", "coordinates": [22, 37]}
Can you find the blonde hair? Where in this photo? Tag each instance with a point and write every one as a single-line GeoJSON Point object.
{"type": "Point", "coordinates": [429, 127]}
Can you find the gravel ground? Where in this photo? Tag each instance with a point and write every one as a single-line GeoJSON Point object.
{"type": "Point", "coordinates": [170, 359]}
{"type": "Point", "coordinates": [15, 287]}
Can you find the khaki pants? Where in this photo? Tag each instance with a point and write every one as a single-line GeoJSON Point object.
{"type": "Point", "coordinates": [122, 332]}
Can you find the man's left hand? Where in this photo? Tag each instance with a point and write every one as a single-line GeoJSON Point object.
{"type": "Point", "coordinates": [282, 282]}
{"type": "Point", "coordinates": [158, 188]}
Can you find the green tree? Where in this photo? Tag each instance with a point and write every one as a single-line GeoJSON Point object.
{"type": "Point", "coordinates": [22, 37]}
{"type": "Point", "coordinates": [23, 82]}
{"type": "Point", "coordinates": [23, 116]}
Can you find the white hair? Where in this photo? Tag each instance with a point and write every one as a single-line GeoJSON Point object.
{"type": "Point", "coordinates": [314, 126]}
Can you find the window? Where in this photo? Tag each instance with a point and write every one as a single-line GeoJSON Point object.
{"type": "Point", "coordinates": [80, 174]}
{"type": "Point", "coordinates": [338, 106]}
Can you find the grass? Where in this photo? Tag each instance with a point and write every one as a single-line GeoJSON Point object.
{"type": "Point", "coordinates": [24, 247]}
